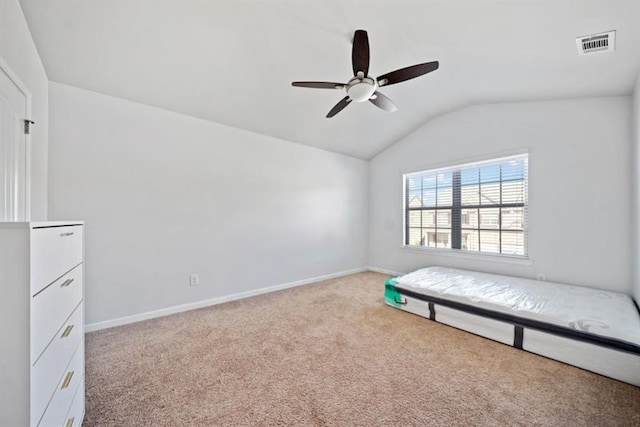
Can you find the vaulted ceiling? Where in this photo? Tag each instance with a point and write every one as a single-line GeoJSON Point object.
{"type": "Point", "coordinates": [233, 62]}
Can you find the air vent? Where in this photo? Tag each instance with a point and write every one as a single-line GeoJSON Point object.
{"type": "Point", "coordinates": [603, 42]}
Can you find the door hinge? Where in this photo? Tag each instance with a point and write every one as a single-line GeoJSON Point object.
{"type": "Point", "coordinates": [27, 126]}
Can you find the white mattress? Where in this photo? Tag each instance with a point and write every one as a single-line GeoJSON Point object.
{"type": "Point", "coordinates": [603, 313]}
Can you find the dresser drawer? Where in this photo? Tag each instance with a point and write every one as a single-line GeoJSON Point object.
{"type": "Point", "coordinates": [65, 390]}
{"type": "Point", "coordinates": [49, 369]}
{"type": "Point", "coordinates": [54, 251]}
{"type": "Point", "coordinates": [52, 307]}
{"type": "Point", "coordinates": [76, 411]}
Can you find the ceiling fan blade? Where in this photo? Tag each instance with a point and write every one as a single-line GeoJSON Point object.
{"type": "Point", "coordinates": [407, 73]}
{"type": "Point", "coordinates": [339, 106]}
{"type": "Point", "coordinates": [360, 53]}
{"type": "Point", "coordinates": [381, 101]}
{"type": "Point", "coordinates": [319, 85]}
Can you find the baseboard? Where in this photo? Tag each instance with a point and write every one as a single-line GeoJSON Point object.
{"type": "Point", "coordinates": [91, 327]}
{"type": "Point", "coordinates": [384, 271]}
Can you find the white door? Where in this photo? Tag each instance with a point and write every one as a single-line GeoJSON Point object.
{"type": "Point", "coordinates": [14, 149]}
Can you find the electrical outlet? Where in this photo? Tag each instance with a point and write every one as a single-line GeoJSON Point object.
{"type": "Point", "coordinates": [541, 277]}
{"type": "Point", "coordinates": [194, 279]}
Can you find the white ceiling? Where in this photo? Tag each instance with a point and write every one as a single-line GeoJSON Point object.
{"type": "Point", "coordinates": [233, 62]}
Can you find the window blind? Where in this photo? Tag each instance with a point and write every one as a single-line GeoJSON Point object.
{"type": "Point", "coordinates": [476, 207]}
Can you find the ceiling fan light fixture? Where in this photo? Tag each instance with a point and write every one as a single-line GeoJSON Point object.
{"type": "Point", "coordinates": [360, 90]}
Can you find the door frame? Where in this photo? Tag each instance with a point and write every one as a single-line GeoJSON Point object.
{"type": "Point", "coordinates": [27, 93]}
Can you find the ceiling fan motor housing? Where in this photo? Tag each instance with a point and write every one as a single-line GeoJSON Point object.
{"type": "Point", "coordinates": [361, 89]}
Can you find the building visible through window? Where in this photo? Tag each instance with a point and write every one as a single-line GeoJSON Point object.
{"type": "Point", "coordinates": [479, 207]}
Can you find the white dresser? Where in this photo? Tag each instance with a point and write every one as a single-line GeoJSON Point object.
{"type": "Point", "coordinates": [41, 324]}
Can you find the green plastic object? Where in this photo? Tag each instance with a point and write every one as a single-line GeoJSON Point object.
{"type": "Point", "coordinates": [391, 294]}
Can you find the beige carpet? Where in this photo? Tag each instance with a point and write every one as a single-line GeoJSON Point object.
{"type": "Point", "coordinates": [333, 353]}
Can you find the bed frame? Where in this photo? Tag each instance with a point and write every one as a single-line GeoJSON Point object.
{"type": "Point", "coordinates": [607, 356]}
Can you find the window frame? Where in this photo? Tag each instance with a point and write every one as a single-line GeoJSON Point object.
{"type": "Point", "coordinates": [456, 209]}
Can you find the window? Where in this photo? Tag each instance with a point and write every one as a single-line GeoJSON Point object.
{"type": "Point", "coordinates": [478, 207]}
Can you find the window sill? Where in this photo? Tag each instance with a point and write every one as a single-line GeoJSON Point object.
{"type": "Point", "coordinates": [508, 259]}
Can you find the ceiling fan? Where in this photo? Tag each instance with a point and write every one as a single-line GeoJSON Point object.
{"type": "Point", "coordinates": [363, 88]}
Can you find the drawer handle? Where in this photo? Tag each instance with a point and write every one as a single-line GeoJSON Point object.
{"type": "Point", "coordinates": [69, 422]}
{"type": "Point", "coordinates": [67, 380]}
{"type": "Point", "coordinates": [66, 283]}
{"type": "Point", "coordinates": [70, 233]}
{"type": "Point", "coordinates": [67, 331]}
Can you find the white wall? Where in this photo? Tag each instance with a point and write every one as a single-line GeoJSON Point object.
{"type": "Point", "coordinates": [636, 187]}
{"type": "Point", "coordinates": [165, 195]}
{"type": "Point", "coordinates": [19, 52]}
{"type": "Point", "coordinates": [580, 217]}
